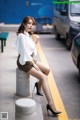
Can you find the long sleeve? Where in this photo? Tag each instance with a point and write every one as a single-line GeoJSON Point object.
{"type": "Point", "coordinates": [23, 49]}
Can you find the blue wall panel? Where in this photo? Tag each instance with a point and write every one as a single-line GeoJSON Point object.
{"type": "Point", "coordinates": [13, 11]}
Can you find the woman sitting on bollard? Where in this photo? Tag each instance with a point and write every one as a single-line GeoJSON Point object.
{"type": "Point", "coordinates": [26, 47]}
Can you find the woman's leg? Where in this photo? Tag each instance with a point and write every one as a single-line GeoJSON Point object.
{"type": "Point", "coordinates": [42, 77]}
{"type": "Point", "coordinates": [44, 69]}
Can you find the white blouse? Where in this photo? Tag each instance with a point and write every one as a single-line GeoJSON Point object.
{"type": "Point", "coordinates": [25, 47]}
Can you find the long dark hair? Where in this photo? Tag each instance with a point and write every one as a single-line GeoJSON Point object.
{"type": "Point", "coordinates": [24, 23]}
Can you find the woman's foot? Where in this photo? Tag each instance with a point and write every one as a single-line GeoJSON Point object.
{"type": "Point", "coordinates": [54, 112]}
{"type": "Point", "coordinates": [38, 92]}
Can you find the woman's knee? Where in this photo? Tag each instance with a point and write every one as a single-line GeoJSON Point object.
{"type": "Point", "coordinates": [47, 71]}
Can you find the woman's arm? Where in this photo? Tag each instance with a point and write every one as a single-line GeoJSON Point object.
{"type": "Point", "coordinates": [35, 38]}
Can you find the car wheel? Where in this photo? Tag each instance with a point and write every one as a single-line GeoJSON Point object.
{"type": "Point", "coordinates": [68, 44]}
{"type": "Point", "coordinates": [57, 35]}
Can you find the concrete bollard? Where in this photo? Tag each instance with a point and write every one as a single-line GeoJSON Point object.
{"type": "Point", "coordinates": [22, 83]}
{"type": "Point", "coordinates": [25, 109]}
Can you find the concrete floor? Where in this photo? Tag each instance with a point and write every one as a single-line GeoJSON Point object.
{"type": "Point", "coordinates": [8, 81]}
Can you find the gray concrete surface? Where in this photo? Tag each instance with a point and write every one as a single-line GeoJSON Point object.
{"type": "Point", "coordinates": [22, 83]}
{"type": "Point", "coordinates": [8, 81]}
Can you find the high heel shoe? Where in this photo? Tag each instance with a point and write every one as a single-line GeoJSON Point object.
{"type": "Point", "coordinates": [38, 92]}
{"type": "Point", "coordinates": [53, 112]}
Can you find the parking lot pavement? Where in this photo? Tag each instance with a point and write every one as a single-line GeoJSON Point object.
{"type": "Point", "coordinates": [8, 81]}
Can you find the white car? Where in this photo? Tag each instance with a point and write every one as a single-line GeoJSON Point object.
{"type": "Point", "coordinates": [67, 20]}
{"type": "Point", "coordinates": [43, 25]}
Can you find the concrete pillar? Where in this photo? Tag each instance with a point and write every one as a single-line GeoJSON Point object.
{"type": "Point", "coordinates": [25, 109]}
{"type": "Point", "coordinates": [22, 83]}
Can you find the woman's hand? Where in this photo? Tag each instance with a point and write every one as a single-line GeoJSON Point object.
{"type": "Point", "coordinates": [35, 38]}
{"type": "Point", "coordinates": [36, 67]}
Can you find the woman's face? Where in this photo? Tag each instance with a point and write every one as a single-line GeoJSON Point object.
{"type": "Point", "coordinates": [29, 25]}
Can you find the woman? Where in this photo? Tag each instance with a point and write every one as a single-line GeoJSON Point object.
{"type": "Point", "coordinates": [26, 47]}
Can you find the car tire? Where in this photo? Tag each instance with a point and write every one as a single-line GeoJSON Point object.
{"type": "Point", "coordinates": [68, 44]}
{"type": "Point", "coordinates": [57, 35]}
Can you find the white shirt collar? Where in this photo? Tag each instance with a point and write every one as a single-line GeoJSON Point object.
{"type": "Point", "coordinates": [26, 33]}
